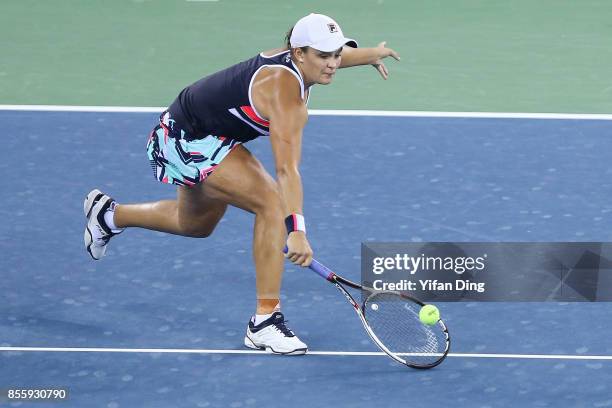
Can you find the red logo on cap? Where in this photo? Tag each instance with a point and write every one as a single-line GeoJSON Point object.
{"type": "Point", "coordinates": [332, 28]}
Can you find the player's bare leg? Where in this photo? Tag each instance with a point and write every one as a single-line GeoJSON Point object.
{"type": "Point", "coordinates": [192, 214]}
{"type": "Point", "coordinates": [241, 181]}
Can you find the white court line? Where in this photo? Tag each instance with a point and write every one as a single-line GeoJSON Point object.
{"type": "Point", "coordinates": [70, 108]}
{"type": "Point", "coordinates": [319, 112]}
{"type": "Point", "coordinates": [316, 353]}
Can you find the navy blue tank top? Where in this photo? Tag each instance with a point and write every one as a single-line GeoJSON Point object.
{"type": "Point", "coordinates": [221, 105]}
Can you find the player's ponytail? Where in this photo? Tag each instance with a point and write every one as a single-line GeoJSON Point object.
{"type": "Point", "coordinates": [288, 38]}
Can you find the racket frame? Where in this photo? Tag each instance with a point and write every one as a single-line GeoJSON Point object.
{"type": "Point", "coordinates": [338, 281]}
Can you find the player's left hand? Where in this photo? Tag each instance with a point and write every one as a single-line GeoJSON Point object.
{"type": "Point", "coordinates": [384, 52]}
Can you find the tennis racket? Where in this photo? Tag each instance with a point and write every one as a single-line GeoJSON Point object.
{"type": "Point", "coordinates": [391, 319]}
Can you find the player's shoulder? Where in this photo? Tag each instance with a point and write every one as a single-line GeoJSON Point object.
{"type": "Point", "coordinates": [282, 75]}
{"type": "Point", "coordinates": [277, 63]}
{"type": "Point", "coordinates": [279, 77]}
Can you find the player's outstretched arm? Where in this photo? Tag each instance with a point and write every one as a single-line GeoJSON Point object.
{"type": "Point", "coordinates": [369, 56]}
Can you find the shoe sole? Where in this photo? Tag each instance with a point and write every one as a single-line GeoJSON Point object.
{"type": "Point", "coordinates": [90, 201]}
{"type": "Point", "coordinates": [88, 242]}
{"type": "Point", "coordinates": [250, 344]}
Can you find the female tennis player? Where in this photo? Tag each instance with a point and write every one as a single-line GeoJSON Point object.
{"type": "Point", "coordinates": [198, 145]}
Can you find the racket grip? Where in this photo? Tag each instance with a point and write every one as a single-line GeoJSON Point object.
{"type": "Point", "coordinates": [318, 267]}
{"type": "Point", "coordinates": [321, 269]}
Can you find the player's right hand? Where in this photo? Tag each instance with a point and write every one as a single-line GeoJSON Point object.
{"type": "Point", "coordinates": [298, 249]}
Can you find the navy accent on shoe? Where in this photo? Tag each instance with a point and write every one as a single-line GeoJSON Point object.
{"type": "Point", "coordinates": [277, 319]}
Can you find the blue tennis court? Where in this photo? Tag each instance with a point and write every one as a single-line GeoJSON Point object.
{"type": "Point", "coordinates": [172, 322]}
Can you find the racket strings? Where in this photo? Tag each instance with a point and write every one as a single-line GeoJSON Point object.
{"type": "Point", "coordinates": [395, 322]}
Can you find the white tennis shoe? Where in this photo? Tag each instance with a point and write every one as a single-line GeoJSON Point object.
{"type": "Point", "coordinates": [97, 233]}
{"type": "Point", "coordinates": [273, 336]}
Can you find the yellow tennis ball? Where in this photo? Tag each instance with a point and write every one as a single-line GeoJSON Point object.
{"type": "Point", "coordinates": [429, 315]}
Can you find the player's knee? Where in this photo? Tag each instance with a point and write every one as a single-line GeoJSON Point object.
{"type": "Point", "coordinates": [194, 229]}
{"type": "Point", "coordinates": [205, 233]}
{"type": "Point", "coordinates": [269, 202]}
{"type": "Point", "coordinates": [196, 233]}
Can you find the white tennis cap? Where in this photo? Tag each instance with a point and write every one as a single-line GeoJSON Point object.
{"type": "Point", "coordinates": [319, 32]}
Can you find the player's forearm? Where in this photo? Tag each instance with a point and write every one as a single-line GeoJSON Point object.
{"type": "Point", "coordinates": [358, 56]}
{"type": "Point", "coordinates": [290, 189]}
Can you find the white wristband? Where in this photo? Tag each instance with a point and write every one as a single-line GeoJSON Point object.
{"type": "Point", "coordinates": [295, 222]}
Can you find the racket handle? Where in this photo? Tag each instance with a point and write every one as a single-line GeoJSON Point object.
{"type": "Point", "coordinates": [318, 267]}
{"type": "Point", "coordinates": [321, 269]}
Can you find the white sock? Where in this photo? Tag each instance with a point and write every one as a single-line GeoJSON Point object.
{"type": "Point", "coordinates": [109, 219]}
{"type": "Point", "coordinates": [257, 319]}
